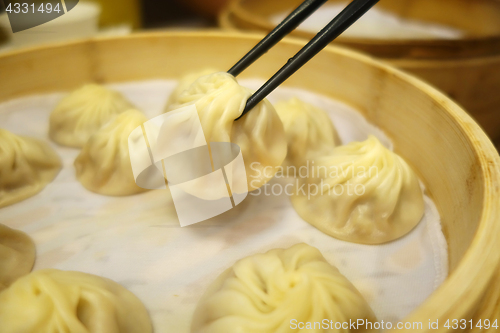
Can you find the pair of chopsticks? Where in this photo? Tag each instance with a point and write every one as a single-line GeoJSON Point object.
{"type": "Point", "coordinates": [332, 30]}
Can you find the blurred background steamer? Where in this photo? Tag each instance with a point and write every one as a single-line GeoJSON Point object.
{"type": "Point", "coordinates": [452, 44]}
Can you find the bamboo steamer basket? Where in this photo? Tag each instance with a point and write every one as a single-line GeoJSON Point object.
{"type": "Point", "coordinates": [467, 69]}
{"type": "Point", "coordinates": [454, 158]}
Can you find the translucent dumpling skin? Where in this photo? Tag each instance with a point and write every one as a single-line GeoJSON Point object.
{"type": "Point", "coordinates": [17, 255]}
{"type": "Point", "coordinates": [309, 131]}
{"type": "Point", "coordinates": [219, 100]}
{"type": "Point", "coordinates": [361, 192]}
{"type": "Point", "coordinates": [83, 112]}
{"type": "Point", "coordinates": [185, 81]}
{"type": "Point", "coordinates": [54, 301]}
{"type": "Point", "coordinates": [27, 165]}
{"type": "Point", "coordinates": [265, 293]}
{"type": "Point", "coordinates": [103, 165]}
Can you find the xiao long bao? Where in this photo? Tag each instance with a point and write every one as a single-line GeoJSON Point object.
{"type": "Point", "coordinates": [219, 100]}
{"type": "Point", "coordinates": [309, 132]}
{"type": "Point", "coordinates": [103, 165]}
{"type": "Point", "coordinates": [27, 165]}
{"type": "Point", "coordinates": [265, 293]}
{"type": "Point", "coordinates": [17, 255]}
{"type": "Point", "coordinates": [362, 193]}
{"type": "Point", "coordinates": [62, 301]}
{"type": "Point", "coordinates": [83, 112]}
{"type": "Point", "coordinates": [184, 83]}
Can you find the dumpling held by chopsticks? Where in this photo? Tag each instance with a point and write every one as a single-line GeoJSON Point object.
{"type": "Point", "coordinates": [219, 100]}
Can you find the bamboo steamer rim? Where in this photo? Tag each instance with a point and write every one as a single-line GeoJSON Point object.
{"type": "Point", "coordinates": [228, 21]}
{"type": "Point", "coordinates": [468, 283]}
{"type": "Point", "coordinates": [237, 16]}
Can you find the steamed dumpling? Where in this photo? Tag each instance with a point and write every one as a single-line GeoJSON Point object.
{"type": "Point", "coordinates": [309, 132]}
{"type": "Point", "coordinates": [49, 301]}
{"type": "Point", "coordinates": [26, 166]}
{"type": "Point", "coordinates": [263, 293]}
{"type": "Point", "coordinates": [17, 255]}
{"type": "Point", "coordinates": [83, 112]}
{"type": "Point", "coordinates": [361, 192]}
{"type": "Point", "coordinates": [219, 100]}
{"type": "Point", "coordinates": [103, 165]}
{"type": "Point", "coordinates": [185, 82]}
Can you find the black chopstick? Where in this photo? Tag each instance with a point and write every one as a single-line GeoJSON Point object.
{"type": "Point", "coordinates": [338, 25]}
{"type": "Point", "coordinates": [291, 22]}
